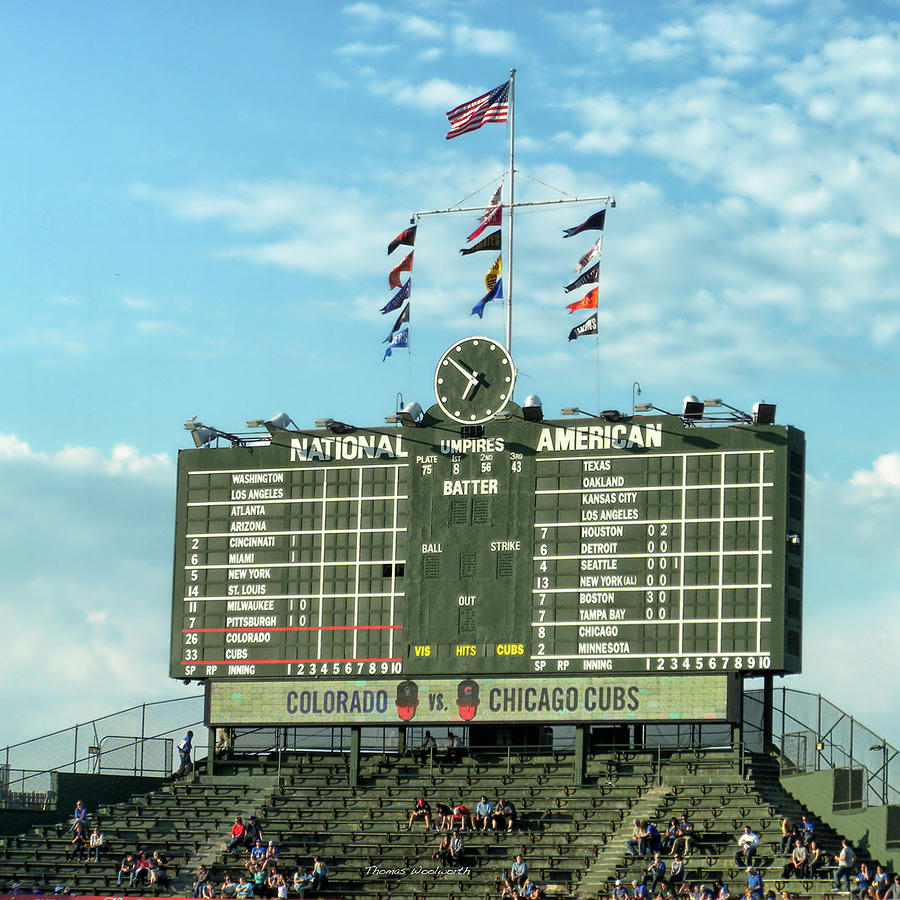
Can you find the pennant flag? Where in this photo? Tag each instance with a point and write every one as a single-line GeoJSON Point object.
{"type": "Point", "coordinates": [491, 217]}
{"type": "Point", "coordinates": [405, 266]}
{"type": "Point", "coordinates": [400, 339]}
{"type": "Point", "coordinates": [407, 237]}
{"type": "Point", "coordinates": [594, 223]}
{"type": "Point", "coordinates": [594, 248]}
{"type": "Point", "coordinates": [496, 292]}
{"type": "Point", "coordinates": [491, 278]}
{"type": "Point", "coordinates": [588, 301]}
{"type": "Point", "coordinates": [588, 326]}
{"type": "Point", "coordinates": [397, 300]}
{"type": "Point", "coordinates": [491, 242]}
{"type": "Point", "coordinates": [402, 319]}
{"type": "Point", "coordinates": [591, 276]}
{"type": "Point", "coordinates": [495, 199]}
{"type": "Point", "coordinates": [490, 107]}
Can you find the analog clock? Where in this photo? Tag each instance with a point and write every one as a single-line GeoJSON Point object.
{"type": "Point", "coordinates": [474, 380]}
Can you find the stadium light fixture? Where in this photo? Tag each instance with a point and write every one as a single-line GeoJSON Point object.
{"type": "Point", "coordinates": [763, 413]}
{"type": "Point", "coordinates": [533, 409]}
{"type": "Point", "coordinates": [410, 416]}
{"type": "Point", "coordinates": [334, 426]}
{"type": "Point", "coordinates": [280, 422]}
{"type": "Point", "coordinates": [203, 435]}
{"type": "Point", "coordinates": [739, 414]}
{"type": "Point", "coordinates": [649, 407]}
{"type": "Point", "coordinates": [691, 408]}
{"type": "Point", "coordinates": [608, 415]}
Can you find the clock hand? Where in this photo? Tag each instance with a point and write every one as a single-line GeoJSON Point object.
{"type": "Point", "coordinates": [463, 369]}
{"type": "Point", "coordinates": [474, 380]}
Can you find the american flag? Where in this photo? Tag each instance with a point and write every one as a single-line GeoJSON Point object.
{"type": "Point", "coordinates": [490, 107]}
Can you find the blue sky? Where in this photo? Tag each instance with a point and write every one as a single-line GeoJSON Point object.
{"type": "Point", "coordinates": [197, 199]}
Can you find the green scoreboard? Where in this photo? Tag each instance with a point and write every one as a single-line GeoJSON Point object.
{"type": "Point", "coordinates": [503, 569]}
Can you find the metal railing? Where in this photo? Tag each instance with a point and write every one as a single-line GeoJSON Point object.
{"type": "Point", "coordinates": [812, 734]}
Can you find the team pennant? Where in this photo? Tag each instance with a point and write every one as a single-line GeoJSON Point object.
{"type": "Point", "coordinates": [407, 237]}
{"type": "Point", "coordinates": [589, 326]}
{"type": "Point", "coordinates": [491, 217]}
{"type": "Point", "coordinates": [492, 274]}
{"type": "Point", "coordinates": [491, 242]}
{"type": "Point", "coordinates": [405, 266]}
{"type": "Point", "coordinates": [588, 301]}
{"type": "Point", "coordinates": [594, 249]}
{"type": "Point", "coordinates": [397, 300]}
{"type": "Point", "coordinates": [402, 319]}
{"type": "Point", "coordinates": [400, 339]}
{"type": "Point", "coordinates": [495, 293]}
{"type": "Point", "coordinates": [590, 276]}
{"type": "Point", "coordinates": [594, 223]}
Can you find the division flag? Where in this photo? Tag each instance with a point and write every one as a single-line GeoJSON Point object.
{"type": "Point", "coordinates": [588, 301]}
{"type": "Point", "coordinates": [405, 266]}
{"type": "Point", "coordinates": [493, 273]}
{"type": "Point", "coordinates": [397, 300]}
{"type": "Point", "coordinates": [490, 107]}
{"type": "Point", "coordinates": [594, 248]}
{"type": "Point", "coordinates": [402, 319]}
{"type": "Point", "coordinates": [594, 223]}
{"type": "Point", "coordinates": [491, 242]}
{"type": "Point", "coordinates": [491, 217]}
{"type": "Point", "coordinates": [495, 293]}
{"type": "Point", "coordinates": [400, 339]}
{"type": "Point", "coordinates": [590, 276]}
{"type": "Point", "coordinates": [407, 237]}
{"type": "Point", "coordinates": [588, 326]}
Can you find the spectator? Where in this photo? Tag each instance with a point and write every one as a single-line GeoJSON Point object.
{"type": "Point", "coordinates": [508, 890]}
{"type": "Point", "coordinates": [184, 754]}
{"type": "Point", "coordinates": [272, 883]}
{"type": "Point", "coordinates": [457, 847]}
{"type": "Point", "coordinates": [519, 870]}
{"type": "Point", "coordinates": [747, 844]}
{"type": "Point", "coordinates": [445, 813]}
{"type": "Point", "coordinates": [676, 872]}
{"type": "Point", "coordinates": [258, 879]}
{"type": "Point", "coordinates": [223, 740]}
{"type": "Point", "coordinates": [80, 815]}
{"type": "Point", "coordinates": [634, 842]}
{"type": "Point", "coordinates": [815, 859]}
{"type": "Point", "coordinates": [656, 872]}
{"type": "Point", "coordinates": [451, 748]}
{"type": "Point", "coordinates": [669, 836]}
{"type": "Point", "coordinates": [619, 891]}
{"type": "Point", "coordinates": [461, 812]}
{"type": "Point", "coordinates": [880, 885]}
{"type": "Point", "coordinates": [755, 885]}
{"type": "Point", "coordinates": [505, 812]}
{"type": "Point", "coordinates": [722, 892]}
{"type": "Point", "coordinates": [651, 839]}
{"type": "Point", "coordinates": [159, 876]}
{"type": "Point", "coordinates": [96, 845]}
{"type": "Point", "coordinates": [319, 874]}
{"type": "Point", "coordinates": [256, 860]}
{"type": "Point", "coordinates": [281, 888]}
{"type": "Point", "coordinates": [663, 892]}
{"type": "Point", "coordinates": [845, 860]}
{"type": "Point", "coordinates": [863, 880]}
{"type": "Point", "coordinates": [641, 891]}
{"type": "Point", "coordinates": [797, 864]}
{"type": "Point", "coordinates": [428, 748]}
{"type": "Point", "coordinates": [244, 889]}
{"type": "Point", "coordinates": [252, 832]}
{"type": "Point", "coordinates": [484, 810]}
{"type": "Point", "coordinates": [788, 835]}
{"type": "Point", "coordinates": [894, 890]}
{"type": "Point", "coordinates": [301, 881]}
{"type": "Point", "coordinates": [442, 854]}
{"type": "Point", "coordinates": [141, 873]}
{"type": "Point", "coordinates": [807, 829]}
{"type": "Point", "coordinates": [685, 836]}
{"type": "Point", "coordinates": [228, 888]}
{"type": "Point", "coordinates": [270, 860]}
{"type": "Point", "coordinates": [77, 848]}
{"type": "Point", "coordinates": [421, 809]}
{"type": "Point", "coordinates": [126, 867]}
{"type": "Point", "coordinates": [237, 835]}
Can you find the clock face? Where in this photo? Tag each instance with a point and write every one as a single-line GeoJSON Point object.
{"type": "Point", "coordinates": [474, 380]}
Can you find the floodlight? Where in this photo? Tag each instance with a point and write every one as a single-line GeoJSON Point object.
{"type": "Point", "coordinates": [763, 413]}
{"type": "Point", "coordinates": [410, 416]}
{"type": "Point", "coordinates": [203, 435]}
{"type": "Point", "coordinates": [649, 407]}
{"type": "Point", "coordinates": [739, 414]}
{"type": "Point", "coordinates": [334, 426]}
{"type": "Point", "coordinates": [279, 422]}
{"type": "Point", "coordinates": [533, 409]}
{"type": "Point", "coordinates": [691, 408]}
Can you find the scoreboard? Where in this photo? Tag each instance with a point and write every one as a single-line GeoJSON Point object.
{"type": "Point", "coordinates": [593, 551]}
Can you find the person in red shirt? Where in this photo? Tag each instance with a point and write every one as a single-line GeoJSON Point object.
{"type": "Point", "coordinates": [237, 835]}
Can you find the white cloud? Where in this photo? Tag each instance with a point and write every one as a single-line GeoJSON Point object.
{"type": "Point", "coordinates": [486, 41]}
{"type": "Point", "coordinates": [884, 474]}
{"type": "Point", "coordinates": [361, 49]}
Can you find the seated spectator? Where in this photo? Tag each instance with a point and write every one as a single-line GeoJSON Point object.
{"type": "Point", "coordinates": [445, 814]}
{"type": "Point", "coordinates": [893, 892]}
{"type": "Point", "coordinates": [676, 872]}
{"type": "Point", "coordinates": [656, 872]}
{"type": "Point", "coordinates": [281, 888]}
{"type": "Point", "coordinates": [126, 867]}
{"type": "Point", "coordinates": [684, 842]}
{"type": "Point", "coordinates": [271, 881]}
{"type": "Point", "coordinates": [159, 876]}
{"type": "Point", "coordinates": [519, 870]}
{"type": "Point", "coordinates": [421, 809]}
{"type": "Point", "coordinates": [256, 860]}
{"type": "Point", "coordinates": [228, 889]}
{"type": "Point", "coordinates": [258, 880]}
{"type": "Point", "coordinates": [301, 881]}
{"type": "Point", "coordinates": [755, 886]}
{"type": "Point", "coordinates": [721, 891]}
{"type": "Point", "coordinates": [141, 873]}
{"type": "Point", "coordinates": [451, 748]}
{"type": "Point", "coordinates": [96, 845]}
{"type": "Point", "coordinates": [747, 844]}
{"type": "Point", "coordinates": [863, 880]}
{"type": "Point", "coordinates": [442, 854]}
{"type": "Point", "coordinates": [669, 835]}
{"type": "Point", "coordinates": [457, 847]}
{"type": "Point", "coordinates": [237, 835]}
{"type": "Point", "coordinates": [319, 874]}
{"type": "Point", "coordinates": [504, 812]}
{"type": "Point", "coordinates": [807, 829]}
{"type": "Point", "coordinates": [270, 860]}
{"type": "Point", "coordinates": [77, 848]}
{"type": "Point", "coordinates": [634, 842]}
{"type": "Point", "coordinates": [788, 835]}
{"type": "Point", "coordinates": [640, 890]}
{"type": "Point", "coordinates": [483, 813]}
{"type": "Point", "coordinates": [815, 859]}
{"type": "Point", "coordinates": [650, 839]}
{"type": "Point", "coordinates": [881, 884]}
{"type": "Point", "coordinates": [244, 889]}
{"type": "Point", "coordinates": [428, 748]}
{"type": "Point", "coordinates": [252, 832]}
{"type": "Point", "coordinates": [663, 892]}
{"type": "Point", "coordinates": [461, 813]}
{"type": "Point", "coordinates": [532, 891]}
{"type": "Point", "coordinates": [508, 889]}
{"type": "Point", "coordinates": [201, 879]}
{"type": "Point", "coordinates": [80, 815]}
{"type": "Point", "coordinates": [619, 891]}
{"type": "Point", "coordinates": [797, 864]}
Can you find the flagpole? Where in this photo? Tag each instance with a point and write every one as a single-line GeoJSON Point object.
{"type": "Point", "coordinates": [512, 203]}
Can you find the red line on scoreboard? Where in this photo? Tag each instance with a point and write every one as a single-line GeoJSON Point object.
{"type": "Point", "coordinates": [294, 628]}
{"type": "Point", "coordinates": [314, 659]}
